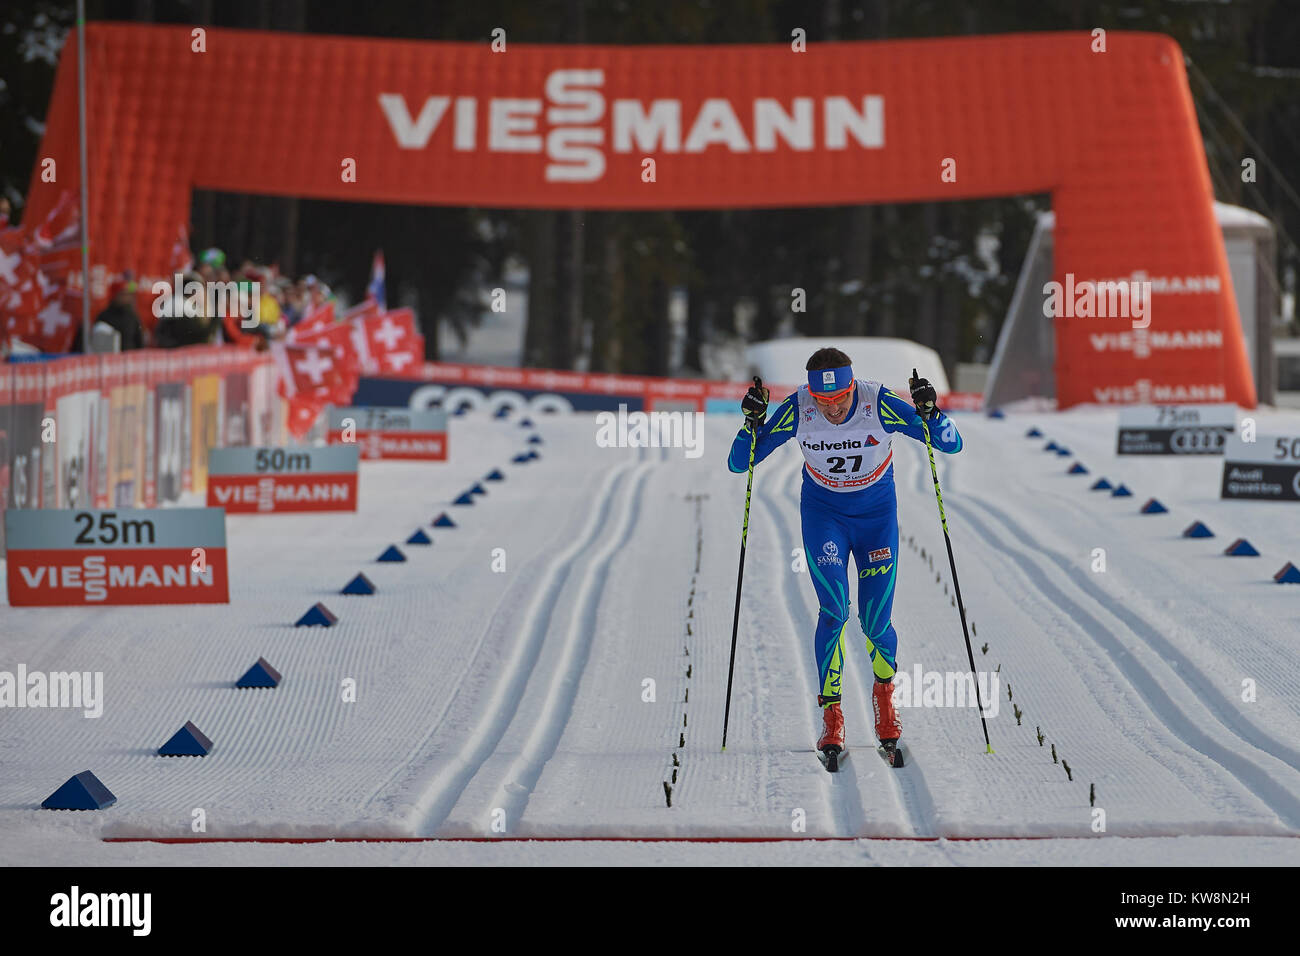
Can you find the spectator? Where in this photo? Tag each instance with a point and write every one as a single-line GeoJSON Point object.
{"type": "Point", "coordinates": [175, 331]}
{"type": "Point", "coordinates": [120, 315]}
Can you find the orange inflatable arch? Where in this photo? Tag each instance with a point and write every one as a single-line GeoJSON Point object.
{"type": "Point", "coordinates": [1111, 135]}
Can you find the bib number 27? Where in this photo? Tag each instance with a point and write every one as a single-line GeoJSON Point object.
{"type": "Point", "coordinates": [837, 464]}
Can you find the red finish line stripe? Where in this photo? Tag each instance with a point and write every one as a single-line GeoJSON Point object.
{"type": "Point", "coordinates": [611, 839]}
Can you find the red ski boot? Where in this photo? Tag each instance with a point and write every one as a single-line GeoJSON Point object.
{"type": "Point", "coordinates": [888, 726]}
{"type": "Point", "coordinates": [831, 744]}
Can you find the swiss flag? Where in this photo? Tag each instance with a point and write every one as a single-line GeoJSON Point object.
{"type": "Point", "coordinates": [57, 322]}
{"type": "Point", "coordinates": [365, 310]}
{"type": "Point", "coordinates": [405, 360]}
{"type": "Point", "coordinates": [62, 223]}
{"type": "Point", "coordinates": [317, 321]}
{"type": "Point", "coordinates": [338, 340]}
{"type": "Point", "coordinates": [312, 372]}
{"type": "Point", "coordinates": [303, 413]}
{"type": "Point", "coordinates": [15, 319]}
{"type": "Point", "coordinates": [392, 342]}
{"type": "Point", "coordinates": [12, 242]}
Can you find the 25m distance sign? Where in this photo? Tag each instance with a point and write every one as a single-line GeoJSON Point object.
{"type": "Point", "coordinates": [59, 556]}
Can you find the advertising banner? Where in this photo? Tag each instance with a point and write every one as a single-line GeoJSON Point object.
{"type": "Point", "coordinates": [125, 556]}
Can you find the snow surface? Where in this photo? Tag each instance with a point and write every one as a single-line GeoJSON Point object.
{"type": "Point", "coordinates": [516, 698]}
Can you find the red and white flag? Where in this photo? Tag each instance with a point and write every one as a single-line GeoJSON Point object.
{"type": "Point", "coordinates": [62, 223]}
{"type": "Point", "coordinates": [315, 322]}
{"type": "Point", "coordinates": [391, 343]}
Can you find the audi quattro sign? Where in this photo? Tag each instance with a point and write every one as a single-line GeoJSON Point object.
{"type": "Point", "coordinates": [1175, 429]}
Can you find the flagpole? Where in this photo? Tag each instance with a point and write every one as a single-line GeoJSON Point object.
{"type": "Point", "coordinates": [85, 179]}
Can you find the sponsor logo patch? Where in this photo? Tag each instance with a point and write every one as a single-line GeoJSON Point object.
{"type": "Point", "coordinates": [872, 572]}
{"type": "Point", "coordinates": [830, 554]}
{"type": "Point", "coordinates": [880, 554]}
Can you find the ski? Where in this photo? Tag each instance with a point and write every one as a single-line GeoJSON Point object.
{"type": "Point", "coordinates": [892, 754]}
{"type": "Point", "coordinates": [831, 758]}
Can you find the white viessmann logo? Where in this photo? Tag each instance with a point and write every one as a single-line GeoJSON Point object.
{"type": "Point", "coordinates": [1142, 342]}
{"type": "Point", "coordinates": [575, 111]}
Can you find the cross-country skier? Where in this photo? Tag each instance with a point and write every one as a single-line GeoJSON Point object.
{"type": "Point", "coordinates": [847, 506]}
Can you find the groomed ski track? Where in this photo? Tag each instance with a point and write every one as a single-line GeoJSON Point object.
{"type": "Point", "coordinates": [514, 705]}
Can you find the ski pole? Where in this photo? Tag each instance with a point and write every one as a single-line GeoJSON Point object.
{"type": "Point", "coordinates": [952, 564]}
{"type": "Point", "coordinates": [740, 575]}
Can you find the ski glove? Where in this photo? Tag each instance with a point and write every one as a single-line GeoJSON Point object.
{"type": "Point", "coordinates": [923, 396]}
{"type": "Point", "coordinates": [754, 404]}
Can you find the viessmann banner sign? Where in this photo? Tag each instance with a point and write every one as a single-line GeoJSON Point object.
{"type": "Point", "coordinates": [685, 127]}
{"type": "Point", "coordinates": [121, 556]}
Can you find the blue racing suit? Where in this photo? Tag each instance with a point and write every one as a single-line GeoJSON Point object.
{"type": "Point", "coordinates": [863, 522]}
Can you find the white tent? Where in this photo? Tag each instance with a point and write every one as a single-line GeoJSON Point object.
{"type": "Point", "coordinates": [1024, 361]}
{"type": "Point", "coordinates": [876, 359]}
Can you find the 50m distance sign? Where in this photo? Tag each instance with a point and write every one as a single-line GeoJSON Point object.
{"type": "Point", "coordinates": [265, 480]}
{"type": "Point", "coordinates": [1267, 469]}
{"type": "Point", "coordinates": [123, 556]}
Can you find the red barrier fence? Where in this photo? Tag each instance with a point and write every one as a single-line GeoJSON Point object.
{"type": "Point", "coordinates": [129, 430]}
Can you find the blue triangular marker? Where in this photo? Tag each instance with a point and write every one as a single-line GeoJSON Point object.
{"type": "Point", "coordinates": [317, 615]}
{"type": "Point", "coordinates": [465, 499]}
{"type": "Point", "coordinates": [1101, 484]}
{"type": "Point", "coordinates": [1077, 469]}
{"type": "Point", "coordinates": [495, 475]}
{"type": "Point", "coordinates": [1241, 548]}
{"type": "Point", "coordinates": [1050, 446]}
{"type": "Point", "coordinates": [502, 412]}
{"type": "Point", "coordinates": [261, 674]}
{"type": "Point", "coordinates": [997, 413]}
{"type": "Point", "coordinates": [525, 423]}
{"type": "Point", "coordinates": [1063, 451]}
{"type": "Point", "coordinates": [82, 792]}
{"type": "Point", "coordinates": [532, 455]}
{"type": "Point", "coordinates": [391, 554]}
{"type": "Point", "coordinates": [478, 490]}
{"type": "Point", "coordinates": [186, 742]}
{"type": "Point", "coordinates": [1153, 507]}
{"type": "Point", "coordinates": [1121, 492]}
{"type": "Point", "coordinates": [520, 460]}
{"type": "Point", "coordinates": [1197, 530]}
{"type": "Point", "coordinates": [419, 537]}
{"type": "Point", "coordinates": [442, 521]}
{"type": "Point", "coordinates": [1033, 433]}
{"type": "Point", "coordinates": [361, 585]}
{"type": "Point", "coordinates": [1289, 574]}
{"type": "Point", "coordinates": [535, 440]}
